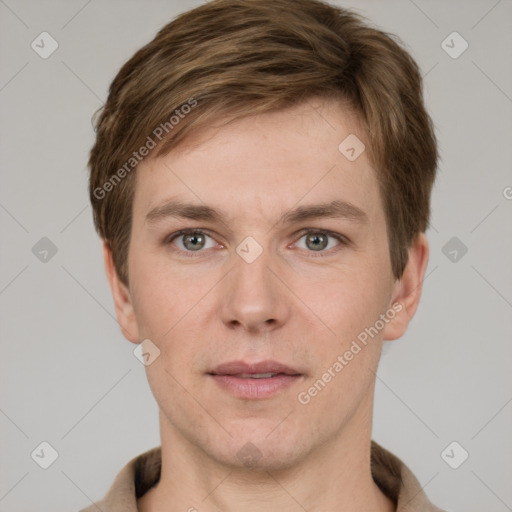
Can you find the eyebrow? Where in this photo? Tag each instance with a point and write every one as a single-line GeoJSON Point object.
{"type": "Point", "coordinates": [333, 209]}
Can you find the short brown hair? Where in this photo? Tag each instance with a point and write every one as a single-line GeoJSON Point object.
{"type": "Point", "coordinates": [244, 57]}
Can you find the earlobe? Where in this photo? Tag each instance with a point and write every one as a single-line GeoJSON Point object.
{"type": "Point", "coordinates": [407, 291]}
{"type": "Point", "coordinates": [122, 298]}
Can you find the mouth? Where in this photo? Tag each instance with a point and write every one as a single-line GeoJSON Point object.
{"type": "Point", "coordinates": [254, 381]}
{"type": "Point", "coordinates": [256, 375]}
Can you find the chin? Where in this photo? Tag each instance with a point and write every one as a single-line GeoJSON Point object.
{"type": "Point", "coordinates": [254, 459]}
{"type": "Point", "coordinates": [260, 449]}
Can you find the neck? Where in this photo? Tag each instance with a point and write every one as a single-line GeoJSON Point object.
{"type": "Point", "coordinates": [336, 477]}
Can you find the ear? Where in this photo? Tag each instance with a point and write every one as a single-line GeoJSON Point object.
{"type": "Point", "coordinates": [407, 290]}
{"type": "Point", "coordinates": [122, 298]}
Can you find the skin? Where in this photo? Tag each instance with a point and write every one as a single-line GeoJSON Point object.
{"type": "Point", "coordinates": [293, 304]}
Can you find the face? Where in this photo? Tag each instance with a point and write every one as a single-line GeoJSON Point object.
{"type": "Point", "coordinates": [258, 257]}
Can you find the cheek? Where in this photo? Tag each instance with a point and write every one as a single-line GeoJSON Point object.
{"type": "Point", "coordinates": [161, 296]}
{"type": "Point", "coordinates": [349, 357]}
{"type": "Point", "coordinates": [349, 302]}
{"type": "Point", "coordinates": [172, 309]}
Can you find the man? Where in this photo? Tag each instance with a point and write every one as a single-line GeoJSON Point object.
{"type": "Point", "coordinates": [261, 181]}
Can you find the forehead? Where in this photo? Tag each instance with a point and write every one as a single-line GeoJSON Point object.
{"type": "Point", "coordinates": [265, 164]}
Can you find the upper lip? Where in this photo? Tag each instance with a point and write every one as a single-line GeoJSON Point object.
{"type": "Point", "coordinates": [240, 367]}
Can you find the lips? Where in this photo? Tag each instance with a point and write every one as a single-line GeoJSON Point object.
{"type": "Point", "coordinates": [263, 369]}
{"type": "Point", "coordinates": [254, 381]}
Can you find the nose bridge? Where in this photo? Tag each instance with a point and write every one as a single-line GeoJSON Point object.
{"type": "Point", "coordinates": [254, 298]}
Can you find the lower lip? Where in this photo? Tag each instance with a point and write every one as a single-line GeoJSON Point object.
{"type": "Point", "coordinates": [255, 388]}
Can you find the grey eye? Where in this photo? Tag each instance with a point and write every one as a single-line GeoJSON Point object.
{"type": "Point", "coordinates": [318, 241]}
{"type": "Point", "coordinates": [194, 241]}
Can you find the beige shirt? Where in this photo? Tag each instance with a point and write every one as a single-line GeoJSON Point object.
{"type": "Point", "coordinates": [142, 472]}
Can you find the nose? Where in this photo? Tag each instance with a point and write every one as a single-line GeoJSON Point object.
{"type": "Point", "coordinates": [254, 298]}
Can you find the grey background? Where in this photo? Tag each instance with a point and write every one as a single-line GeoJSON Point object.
{"type": "Point", "coordinates": [68, 376]}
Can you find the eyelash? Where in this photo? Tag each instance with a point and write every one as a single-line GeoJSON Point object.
{"type": "Point", "coordinates": [343, 241]}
